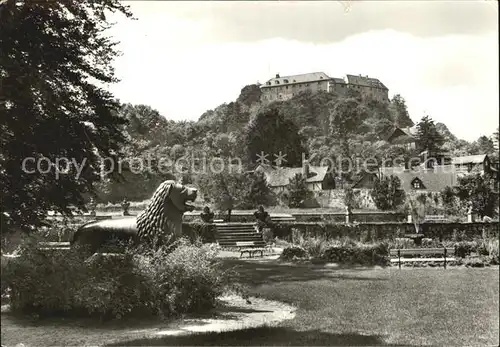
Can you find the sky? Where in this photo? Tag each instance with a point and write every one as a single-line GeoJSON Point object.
{"type": "Point", "coordinates": [185, 57]}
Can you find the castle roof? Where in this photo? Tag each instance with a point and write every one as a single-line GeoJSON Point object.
{"type": "Point", "coordinates": [302, 78]}
{"type": "Point", "coordinates": [365, 81]}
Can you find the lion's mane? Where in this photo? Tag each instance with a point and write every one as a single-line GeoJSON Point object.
{"type": "Point", "coordinates": [152, 223]}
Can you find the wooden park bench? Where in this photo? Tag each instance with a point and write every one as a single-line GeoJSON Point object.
{"type": "Point", "coordinates": [444, 252]}
{"type": "Point", "coordinates": [246, 247]}
{"type": "Point", "coordinates": [435, 218]}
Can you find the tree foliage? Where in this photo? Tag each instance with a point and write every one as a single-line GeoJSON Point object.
{"type": "Point", "coordinates": [387, 193]}
{"type": "Point", "coordinates": [345, 117]}
{"type": "Point", "coordinates": [271, 133]}
{"type": "Point", "coordinates": [400, 112]}
{"type": "Point", "coordinates": [54, 55]}
{"type": "Point", "coordinates": [477, 190]}
{"type": "Point", "coordinates": [297, 191]}
{"type": "Point", "coordinates": [259, 192]}
{"type": "Point", "coordinates": [428, 137]}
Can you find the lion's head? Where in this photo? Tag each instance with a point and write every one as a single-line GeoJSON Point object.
{"type": "Point", "coordinates": [163, 216]}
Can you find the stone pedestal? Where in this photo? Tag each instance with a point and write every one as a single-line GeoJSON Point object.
{"type": "Point", "coordinates": [470, 218]}
{"type": "Point", "coordinates": [92, 207]}
{"type": "Point", "coordinates": [348, 215]}
{"type": "Point", "coordinates": [410, 219]}
{"type": "Point", "coordinates": [125, 207]}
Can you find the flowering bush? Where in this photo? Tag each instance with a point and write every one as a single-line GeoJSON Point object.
{"type": "Point", "coordinates": [173, 281]}
{"type": "Point", "coordinates": [367, 254]}
{"type": "Point", "coordinates": [294, 252]}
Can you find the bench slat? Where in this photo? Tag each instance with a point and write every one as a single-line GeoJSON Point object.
{"type": "Point", "coordinates": [245, 243]}
{"type": "Point", "coordinates": [54, 244]}
{"type": "Point", "coordinates": [422, 259]}
{"type": "Point", "coordinates": [413, 251]}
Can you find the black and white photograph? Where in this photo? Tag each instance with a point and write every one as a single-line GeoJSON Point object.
{"type": "Point", "coordinates": [249, 173]}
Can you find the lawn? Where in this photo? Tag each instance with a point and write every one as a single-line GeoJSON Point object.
{"type": "Point", "coordinates": [337, 306]}
{"type": "Point", "coordinates": [419, 306]}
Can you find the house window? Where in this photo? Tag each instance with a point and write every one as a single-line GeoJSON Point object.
{"type": "Point", "coordinates": [277, 82]}
{"type": "Point", "coordinates": [417, 184]}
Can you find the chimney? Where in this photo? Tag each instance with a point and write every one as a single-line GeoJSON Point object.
{"type": "Point", "coordinates": [277, 75]}
{"type": "Point", "coordinates": [305, 169]}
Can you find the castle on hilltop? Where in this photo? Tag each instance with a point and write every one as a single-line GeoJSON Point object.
{"type": "Point", "coordinates": [284, 88]}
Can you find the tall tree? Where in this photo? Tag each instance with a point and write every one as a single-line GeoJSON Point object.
{"type": "Point", "coordinates": [346, 116]}
{"type": "Point", "coordinates": [387, 193]}
{"type": "Point", "coordinates": [271, 133]}
{"type": "Point", "coordinates": [496, 139]}
{"type": "Point", "coordinates": [54, 55]}
{"type": "Point", "coordinates": [400, 112]}
{"type": "Point", "coordinates": [259, 192]}
{"type": "Point", "coordinates": [478, 191]}
{"type": "Point", "coordinates": [485, 145]}
{"type": "Point", "coordinates": [428, 137]}
{"type": "Point", "coordinates": [297, 191]}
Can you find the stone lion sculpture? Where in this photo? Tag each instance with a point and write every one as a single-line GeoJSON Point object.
{"type": "Point", "coordinates": [161, 220]}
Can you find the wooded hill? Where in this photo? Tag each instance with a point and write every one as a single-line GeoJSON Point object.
{"type": "Point", "coordinates": [322, 125]}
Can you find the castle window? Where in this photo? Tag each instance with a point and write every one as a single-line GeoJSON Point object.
{"type": "Point", "coordinates": [277, 82]}
{"type": "Point", "coordinates": [285, 81]}
{"type": "Point", "coordinates": [268, 83]}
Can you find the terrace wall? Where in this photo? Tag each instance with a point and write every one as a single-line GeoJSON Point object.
{"type": "Point", "coordinates": [368, 232]}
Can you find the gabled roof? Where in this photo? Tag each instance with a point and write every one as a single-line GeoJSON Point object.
{"type": "Point", "coordinates": [279, 177]}
{"type": "Point", "coordinates": [338, 80]}
{"type": "Point", "coordinates": [469, 159]}
{"type": "Point", "coordinates": [302, 78]}
{"type": "Point", "coordinates": [365, 81]}
{"type": "Point", "coordinates": [433, 179]}
{"type": "Point", "coordinates": [408, 133]}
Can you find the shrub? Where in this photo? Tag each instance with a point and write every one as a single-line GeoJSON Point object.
{"type": "Point", "coordinates": [474, 262]}
{"type": "Point", "coordinates": [267, 235]}
{"type": "Point", "coordinates": [371, 254]}
{"type": "Point", "coordinates": [491, 247]}
{"type": "Point", "coordinates": [387, 193]}
{"type": "Point", "coordinates": [464, 248]}
{"type": "Point", "coordinates": [313, 245]}
{"type": "Point", "coordinates": [294, 252]}
{"type": "Point", "coordinates": [298, 191]}
{"type": "Point", "coordinates": [402, 243]}
{"type": "Point", "coordinates": [165, 283]}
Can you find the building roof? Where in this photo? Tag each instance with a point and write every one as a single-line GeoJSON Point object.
{"type": "Point", "coordinates": [365, 81]}
{"type": "Point", "coordinates": [279, 177]}
{"type": "Point", "coordinates": [302, 78]}
{"type": "Point", "coordinates": [433, 179]}
{"type": "Point", "coordinates": [469, 159]}
{"type": "Point", "coordinates": [407, 134]}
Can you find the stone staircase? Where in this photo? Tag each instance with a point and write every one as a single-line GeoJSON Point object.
{"type": "Point", "coordinates": [235, 234]}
